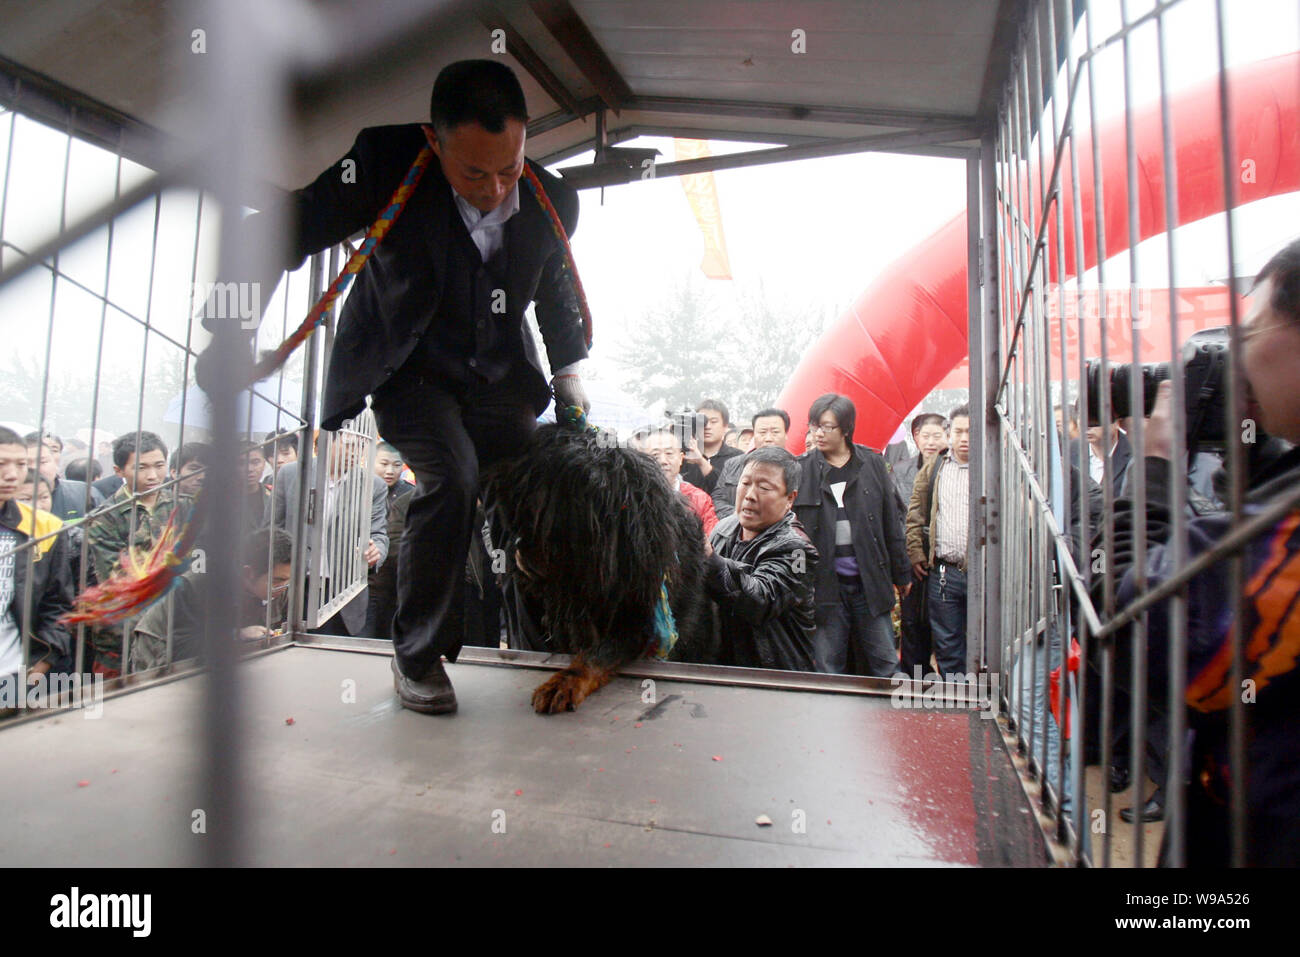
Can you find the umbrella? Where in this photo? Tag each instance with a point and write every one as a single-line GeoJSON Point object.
{"type": "Point", "coordinates": [266, 416]}
{"type": "Point", "coordinates": [18, 427]}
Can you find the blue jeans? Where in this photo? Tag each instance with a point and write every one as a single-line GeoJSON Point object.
{"type": "Point", "coordinates": [854, 641]}
{"type": "Point", "coordinates": [946, 589]}
{"type": "Point", "coordinates": [1030, 706]}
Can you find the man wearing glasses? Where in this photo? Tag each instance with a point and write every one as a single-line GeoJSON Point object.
{"type": "Point", "coordinates": [850, 509]}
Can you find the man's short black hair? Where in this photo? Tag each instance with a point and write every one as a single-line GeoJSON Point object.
{"type": "Point", "coordinates": [715, 405]}
{"type": "Point", "coordinates": [768, 413]}
{"type": "Point", "coordinates": [9, 437]}
{"type": "Point", "coordinates": [37, 438]}
{"type": "Point", "coordinates": [485, 92]}
{"type": "Point", "coordinates": [841, 406]}
{"type": "Point", "coordinates": [1284, 270]}
{"type": "Point", "coordinates": [265, 547]}
{"type": "Point", "coordinates": [199, 452]}
{"type": "Point", "coordinates": [927, 418]}
{"type": "Point", "coordinates": [36, 478]}
{"type": "Point", "coordinates": [389, 447]}
{"type": "Point", "coordinates": [125, 446]}
{"type": "Point", "coordinates": [76, 470]}
{"type": "Point", "coordinates": [775, 455]}
{"type": "Point", "coordinates": [278, 440]}
{"type": "Point", "coordinates": [961, 410]}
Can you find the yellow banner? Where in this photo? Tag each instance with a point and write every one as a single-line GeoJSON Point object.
{"type": "Point", "coordinates": [702, 194]}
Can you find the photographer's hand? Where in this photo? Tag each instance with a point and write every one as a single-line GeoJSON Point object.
{"type": "Point", "coordinates": [1158, 434]}
{"type": "Point", "coordinates": [695, 457]}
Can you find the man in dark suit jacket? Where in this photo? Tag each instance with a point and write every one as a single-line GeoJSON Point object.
{"type": "Point", "coordinates": [434, 330]}
{"type": "Point", "coordinates": [1121, 456]}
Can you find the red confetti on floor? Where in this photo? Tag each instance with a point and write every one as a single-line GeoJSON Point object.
{"type": "Point", "coordinates": [393, 851]}
{"type": "Point", "coordinates": [288, 720]}
{"type": "Point", "coordinates": [83, 784]}
{"type": "Point", "coordinates": [609, 845]}
{"type": "Point", "coordinates": [637, 725]}
{"type": "Point", "coordinates": [518, 791]}
{"type": "Point", "coordinates": [717, 757]}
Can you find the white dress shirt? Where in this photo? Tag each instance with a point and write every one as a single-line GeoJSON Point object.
{"type": "Point", "coordinates": [488, 230]}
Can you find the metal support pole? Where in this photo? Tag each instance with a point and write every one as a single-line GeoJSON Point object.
{"type": "Point", "coordinates": [975, 655]}
{"type": "Point", "coordinates": [984, 417]}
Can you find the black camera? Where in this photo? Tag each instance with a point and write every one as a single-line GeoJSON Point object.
{"type": "Point", "coordinates": [688, 425]}
{"type": "Point", "coordinates": [1205, 378]}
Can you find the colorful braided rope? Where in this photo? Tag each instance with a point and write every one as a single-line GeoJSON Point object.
{"type": "Point", "coordinates": [378, 230]}
{"type": "Point", "coordinates": [143, 575]}
{"type": "Point", "coordinates": [535, 185]}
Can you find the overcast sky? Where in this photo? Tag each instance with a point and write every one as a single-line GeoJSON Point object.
{"type": "Point", "coordinates": [818, 231]}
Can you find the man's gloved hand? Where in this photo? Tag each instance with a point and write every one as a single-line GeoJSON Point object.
{"type": "Point", "coordinates": [569, 391]}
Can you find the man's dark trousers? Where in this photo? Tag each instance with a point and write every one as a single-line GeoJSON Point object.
{"type": "Point", "coordinates": [446, 433]}
{"type": "Point", "coordinates": [914, 619]}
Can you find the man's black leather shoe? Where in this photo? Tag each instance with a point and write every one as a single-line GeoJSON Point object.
{"type": "Point", "coordinates": [1119, 779]}
{"type": "Point", "coordinates": [1153, 810]}
{"type": "Point", "coordinates": [433, 694]}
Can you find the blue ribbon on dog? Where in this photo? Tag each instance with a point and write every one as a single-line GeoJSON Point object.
{"type": "Point", "coordinates": [665, 625]}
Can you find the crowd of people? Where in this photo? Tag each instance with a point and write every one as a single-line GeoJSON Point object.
{"type": "Point", "coordinates": [808, 557]}
{"type": "Point", "coordinates": [841, 501]}
{"type": "Point", "coordinates": [842, 560]}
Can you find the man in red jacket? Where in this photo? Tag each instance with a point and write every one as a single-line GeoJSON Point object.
{"type": "Point", "coordinates": [665, 448]}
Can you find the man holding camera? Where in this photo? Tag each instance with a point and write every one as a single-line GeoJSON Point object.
{"type": "Point", "coordinates": [704, 459]}
{"type": "Point", "coordinates": [1270, 629]}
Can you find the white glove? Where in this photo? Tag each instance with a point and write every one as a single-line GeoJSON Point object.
{"type": "Point", "coordinates": [568, 391]}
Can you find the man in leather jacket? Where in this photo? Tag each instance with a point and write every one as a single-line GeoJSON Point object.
{"type": "Point", "coordinates": [760, 570]}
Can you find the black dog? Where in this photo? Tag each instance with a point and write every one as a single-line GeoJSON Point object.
{"type": "Point", "coordinates": [592, 532]}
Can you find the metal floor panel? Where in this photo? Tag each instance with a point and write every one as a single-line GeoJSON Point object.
{"type": "Point", "coordinates": [618, 782]}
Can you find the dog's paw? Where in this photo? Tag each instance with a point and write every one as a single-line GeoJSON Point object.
{"type": "Point", "coordinates": [563, 691]}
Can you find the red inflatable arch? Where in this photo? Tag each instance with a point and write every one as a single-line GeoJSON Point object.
{"type": "Point", "coordinates": [908, 329]}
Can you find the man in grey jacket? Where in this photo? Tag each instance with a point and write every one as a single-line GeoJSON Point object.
{"type": "Point", "coordinates": [771, 426]}
{"type": "Point", "coordinates": [346, 472]}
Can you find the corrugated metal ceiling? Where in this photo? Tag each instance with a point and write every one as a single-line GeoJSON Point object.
{"type": "Point", "coordinates": [703, 67]}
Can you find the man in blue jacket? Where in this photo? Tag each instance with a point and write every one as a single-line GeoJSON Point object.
{"type": "Point", "coordinates": [1270, 631]}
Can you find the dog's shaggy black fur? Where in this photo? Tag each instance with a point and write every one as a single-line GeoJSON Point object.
{"type": "Point", "coordinates": [591, 531]}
